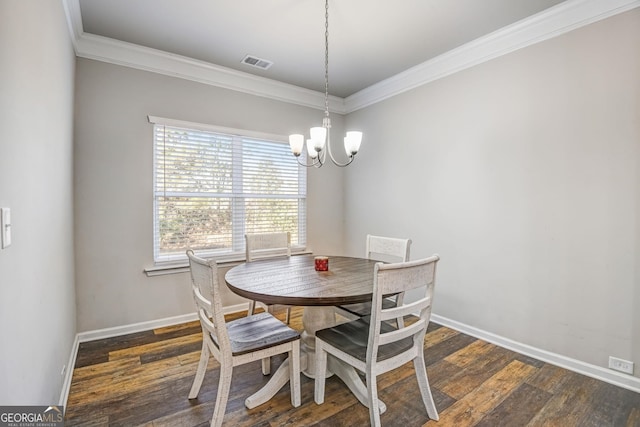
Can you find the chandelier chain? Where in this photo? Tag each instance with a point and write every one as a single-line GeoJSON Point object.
{"type": "Point", "coordinates": [326, 58]}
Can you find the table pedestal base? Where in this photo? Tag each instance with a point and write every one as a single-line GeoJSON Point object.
{"type": "Point", "coordinates": [313, 319]}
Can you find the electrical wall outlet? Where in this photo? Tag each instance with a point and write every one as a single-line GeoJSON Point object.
{"type": "Point", "coordinates": [621, 365]}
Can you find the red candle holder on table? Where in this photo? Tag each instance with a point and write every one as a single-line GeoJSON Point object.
{"type": "Point", "coordinates": [321, 263]}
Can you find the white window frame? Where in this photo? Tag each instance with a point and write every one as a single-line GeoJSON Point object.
{"type": "Point", "coordinates": [237, 251]}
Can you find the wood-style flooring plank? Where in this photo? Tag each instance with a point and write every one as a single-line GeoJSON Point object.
{"type": "Point", "coordinates": [472, 408]}
{"type": "Point", "coordinates": [634, 418]}
{"type": "Point", "coordinates": [517, 409]}
{"type": "Point", "coordinates": [438, 335]}
{"type": "Point", "coordinates": [156, 347]}
{"type": "Point", "coordinates": [476, 370]}
{"type": "Point", "coordinates": [570, 405]}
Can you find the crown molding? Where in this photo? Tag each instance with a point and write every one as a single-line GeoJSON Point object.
{"type": "Point", "coordinates": [113, 51]}
{"type": "Point", "coordinates": [74, 20]}
{"type": "Point", "coordinates": [130, 55]}
{"type": "Point", "coordinates": [557, 20]}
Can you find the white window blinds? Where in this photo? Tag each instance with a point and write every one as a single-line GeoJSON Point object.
{"type": "Point", "coordinates": [211, 187]}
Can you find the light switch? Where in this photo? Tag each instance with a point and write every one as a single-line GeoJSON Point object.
{"type": "Point", "coordinates": [5, 226]}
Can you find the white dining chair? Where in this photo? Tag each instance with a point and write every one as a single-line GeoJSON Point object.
{"type": "Point", "coordinates": [387, 249]}
{"type": "Point", "coordinates": [372, 345]}
{"type": "Point", "coordinates": [267, 245]}
{"type": "Point", "coordinates": [236, 342]}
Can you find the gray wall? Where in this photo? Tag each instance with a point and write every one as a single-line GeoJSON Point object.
{"type": "Point", "coordinates": [113, 181]}
{"type": "Point", "coordinates": [37, 296]}
{"type": "Point", "coordinates": [523, 173]}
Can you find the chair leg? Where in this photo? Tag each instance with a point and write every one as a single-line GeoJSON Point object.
{"type": "Point", "coordinates": [224, 385]}
{"type": "Point", "coordinates": [266, 362]}
{"type": "Point", "coordinates": [266, 366]}
{"type": "Point", "coordinates": [294, 374]}
{"type": "Point", "coordinates": [423, 385]}
{"type": "Point", "coordinates": [252, 308]}
{"type": "Point", "coordinates": [202, 369]}
{"type": "Point", "coordinates": [372, 395]}
{"type": "Point", "coordinates": [288, 316]}
{"type": "Point", "coordinates": [321, 372]}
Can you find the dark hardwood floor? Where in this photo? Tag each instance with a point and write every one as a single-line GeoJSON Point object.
{"type": "Point", "coordinates": [144, 379]}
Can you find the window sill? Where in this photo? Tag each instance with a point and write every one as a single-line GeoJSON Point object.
{"type": "Point", "coordinates": [183, 266]}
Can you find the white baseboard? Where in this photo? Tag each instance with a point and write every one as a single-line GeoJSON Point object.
{"type": "Point", "coordinates": [612, 377]}
{"type": "Point", "coordinates": [123, 330]}
{"type": "Point", "coordinates": [619, 379]}
{"type": "Point", "coordinates": [151, 324]}
{"type": "Point", "coordinates": [66, 384]}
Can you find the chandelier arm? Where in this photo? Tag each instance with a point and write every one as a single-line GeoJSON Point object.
{"type": "Point", "coordinates": [316, 163]}
{"type": "Point", "coordinates": [335, 162]}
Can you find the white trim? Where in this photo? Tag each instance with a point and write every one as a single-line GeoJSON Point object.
{"type": "Point", "coordinates": [66, 383]}
{"type": "Point", "coordinates": [612, 377]}
{"type": "Point", "coordinates": [557, 20]}
{"type": "Point", "coordinates": [113, 51]}
{"type": "Point", "coordinates": [149, 325]}
{"type": "Point", "coordinates": [218, 129]}
{"type": "Point", "coordinates": [182, 266]}
{"type": "Point", "coordinates": [74, 21]}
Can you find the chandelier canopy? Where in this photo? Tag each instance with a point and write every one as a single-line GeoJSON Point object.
{"type": "Point", "coordinates": [319, 142]}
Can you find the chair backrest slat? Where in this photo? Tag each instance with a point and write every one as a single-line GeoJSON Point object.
{"type": "Point", "coordinates": [402, 333]}
{"type": "Point", "coordinates": [205, 321]}
{"type": "Point", "coordinates": [259, 245]}
{"type": "Point", "coordinates": [401, 277]}
{"type": "Point", "coordinates": [405, 309]}
{"type": "Point", "coordinates": [394, 278]}
{"type": "Point", "coordinates": [201, 302]}
{"type": "Point", "coordinates": [388, 249]}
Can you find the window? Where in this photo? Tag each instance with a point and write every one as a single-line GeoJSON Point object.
{"type": "Point", "coordinates": [212, 185]}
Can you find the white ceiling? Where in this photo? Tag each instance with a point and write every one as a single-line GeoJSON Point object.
{"type": "Point", "coordinates": [369, 40]}
{"type": "Point", "coordinates": [377, 49]}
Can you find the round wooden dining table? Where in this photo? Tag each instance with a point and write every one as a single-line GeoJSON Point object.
{"type": "Point", "coordinates": [294, 281]}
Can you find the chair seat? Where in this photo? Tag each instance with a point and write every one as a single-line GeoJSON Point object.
{"type": "Point", "coordinates": [352, 338]}
{"type": "Point", "coordinates": [364, 308]}
{"type": "Point", "coordinates": [257, 332]}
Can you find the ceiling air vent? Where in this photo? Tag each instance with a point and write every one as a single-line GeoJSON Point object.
{"type": "Point", "coordinates": [263, 64]}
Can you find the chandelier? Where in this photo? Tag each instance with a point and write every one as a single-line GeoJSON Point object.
{"type": "Point", "coordinates": [319, 142]}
